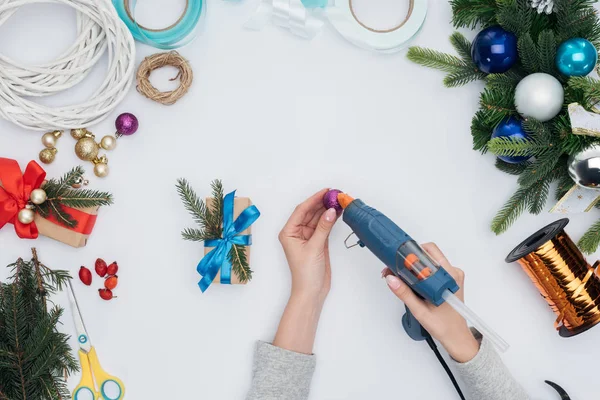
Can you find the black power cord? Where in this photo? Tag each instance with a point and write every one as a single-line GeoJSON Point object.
{"type": "Point", "coordinates": [438, 355]}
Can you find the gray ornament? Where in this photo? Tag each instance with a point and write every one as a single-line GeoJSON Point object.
{"type": "Point", "coordinates": [543, 6]}
{"type": "Point", "coordinates": [584, 167]}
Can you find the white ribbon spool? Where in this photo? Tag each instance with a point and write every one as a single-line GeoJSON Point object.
{"type": "Point", "coordinates": [307, 23]}
{"type": "Point", "coordinates": [288, 14]}
{"type": "Point", "coordinates": [342, 16]}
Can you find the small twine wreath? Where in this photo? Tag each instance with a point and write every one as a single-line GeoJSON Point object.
{"type": "Point", "coordinates": [155, 61]}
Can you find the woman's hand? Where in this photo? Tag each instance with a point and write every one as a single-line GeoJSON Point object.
{"type": "Point", "coordinates": [443, 323]}
{"type": "Point", "coordinates": [305, 241]}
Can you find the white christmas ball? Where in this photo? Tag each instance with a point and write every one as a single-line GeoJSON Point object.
{"type": "Point", "coordinates": [539, 96]}
{"type": "Point", "coordinates": [38, 196]}
{"type": "Point", "coordinates": [26, 216]}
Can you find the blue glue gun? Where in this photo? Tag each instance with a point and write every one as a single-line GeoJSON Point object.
{"type": "Point", "coordinates": [402, 255]}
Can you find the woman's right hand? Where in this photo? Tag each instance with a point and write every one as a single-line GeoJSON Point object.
{"type": "Point", "coordinates": [442, 322]}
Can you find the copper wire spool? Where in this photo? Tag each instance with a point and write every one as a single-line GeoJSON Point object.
{"type": "Point", "coordinates": [564, 278]}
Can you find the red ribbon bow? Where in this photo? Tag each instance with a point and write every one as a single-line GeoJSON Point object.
{"type": "Point", "coordinates": [14, 194]}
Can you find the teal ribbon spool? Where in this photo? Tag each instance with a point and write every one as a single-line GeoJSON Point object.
{"type": "Point", "coordinates": [178, 34]}
{"type": "Point", "coordinates": [315, 3]}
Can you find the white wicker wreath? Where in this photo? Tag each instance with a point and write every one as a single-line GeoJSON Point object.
{"type": "Point", "coordinates": [99, 29]}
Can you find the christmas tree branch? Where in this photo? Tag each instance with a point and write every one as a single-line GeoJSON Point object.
{"type": "Point", "coordinates": [239, 262]}
{"type": "Point", "coordinates": [472, 13]}
{"type": "Point", "coordinates": [462, 46]}
{"type": "Point", "coordinates": [195, 235]}
{"type": "Point", "coordinates": [509, 213]}
{"type": "Point", "coordinates": [512, 169]}
{"type": "Point", "coordinates": [515, 147]}
{"type": "Point", "coordinates": [82, 198]}
{"type": "Point", "coordinates": [590, 240]}
{"type": "Point", "coordinates": [435, 59]}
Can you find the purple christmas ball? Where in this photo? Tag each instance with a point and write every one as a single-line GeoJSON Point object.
{"type": "Point", "coordinates": [330, 200]}
{"type": "Point", "coordinates": [126, 124]}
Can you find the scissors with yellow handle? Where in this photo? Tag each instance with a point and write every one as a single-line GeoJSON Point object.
{"type": "Point", "coordinates": [95, 383]}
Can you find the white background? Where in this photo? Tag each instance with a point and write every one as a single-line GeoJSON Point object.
{"type": "Point", "coordinates": [278, 118]}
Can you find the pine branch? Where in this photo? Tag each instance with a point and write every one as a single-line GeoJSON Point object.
{"type": "Point", "coordinates": [505, 82]}
{"type": "Point", "coordinates": [587, 88]}
{"type": "Point", "coordinates": [462, 77]}
{"type": "Point", "coordinates": [215, 212]}
{"type": "Point", "coordinates": [193, 204]}
{"type": "Point", "coordinates": [576, 19]}
{"type": "Point", "coordinates": [481, 131]}
{"type": "Point", "coordinates": [528, 53]}
{"type": "Point", "coordinates": [195, 235]}
{"type": "Point", "coordinates": [83, 198]}
{"type": "Point", "coordinates": [515, 16]}
{"type": "Point", "coordinates": [509, 213]}
{"type": "Point", "coordinates": [64, 218]}
{"type": "Point", "coordinates": [539, 131]}
{"type": "Point", "coordinates": [497, 104]}
{"type": "Point", "coordinates": [542, 167]}
{"type": "Point", "coordinates": [590, 240]}
{"type": "Point", "coordinates": [435, 59]}
{"type": "Point", "coordinates": [55, 188]}
{"type": "Point", "coordinates": [462, 46]}
{"type": "Point", "coordinates": [547, 53]}
{"type": "Point", "coordinates": [473, 13]}
{"type": "Point", "coordinates": [512, 169]}
{"type": "Point", "coordinates": [239, 262]}
{"type": "Point", "coordinates": [515, 147]}
{"type": "Point", "coordinates": [565, 183]}
{"type": "Point", "coordinates": [538, 194]}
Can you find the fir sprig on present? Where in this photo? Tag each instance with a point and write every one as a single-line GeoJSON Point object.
{"type": "Point", "coordinates": [60, 193]}
{"type": "Point", "coordinates": [34, 355]}
{"type": "Point", "coordinates": [210, 222]}
{"type": "Point", "coordinates": [550, 143]}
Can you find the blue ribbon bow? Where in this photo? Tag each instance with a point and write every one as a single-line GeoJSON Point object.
{"type": "Point", "coordinates": [218, 258]}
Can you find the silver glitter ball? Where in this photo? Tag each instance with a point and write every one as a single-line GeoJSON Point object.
{"type": "Point", "coordinates": [584, 167]}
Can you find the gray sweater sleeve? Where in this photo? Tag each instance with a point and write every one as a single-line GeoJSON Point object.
{"type": "Point", "coordinates": [280, 374]}
{"type": "Point", "coordinates": [486, 376]}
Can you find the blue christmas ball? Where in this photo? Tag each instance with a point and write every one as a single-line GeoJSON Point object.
{"type": "Point", "coordinates": [576, 57]}
{"type": "Point", "coordinates": [511, 127]}
{"type": "Point", "coordinates": [494, 50]}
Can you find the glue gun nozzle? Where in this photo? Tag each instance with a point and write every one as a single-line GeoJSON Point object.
{"type": "Point", "coordinates": [344, 200]}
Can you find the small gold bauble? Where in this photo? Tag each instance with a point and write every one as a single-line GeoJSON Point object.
{"type": "Point", "coordinates": [108, 142]}
{"type": "Point", "coordinates": [49, 139]}
{"type": "Point", "coordinates": [101, 170]}
{"type": "Point", "coordinates": [38, 196]}
{"type": "Point", "coordinates": [78, 133]}
{"type": "Point", "coordinates": [26, 216]}
{"type": "Point", "coordinates": [86, 149]}
{"type": "Point", "coordinates": [47, 155]}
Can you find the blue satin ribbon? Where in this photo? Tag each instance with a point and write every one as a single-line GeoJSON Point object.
{"type": "Point", "coordinates": [180, 34]}
{"type": "Point", "coordinates": [218, 258]}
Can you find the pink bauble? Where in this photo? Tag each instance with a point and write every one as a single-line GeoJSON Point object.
{"type": "Point", "coordinates": [330, 200]}
{"type": "Point", "coordinates": [126, 124]}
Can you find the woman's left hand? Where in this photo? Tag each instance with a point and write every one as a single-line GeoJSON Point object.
{"type": "Point", "coordinates": [305, 241]}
